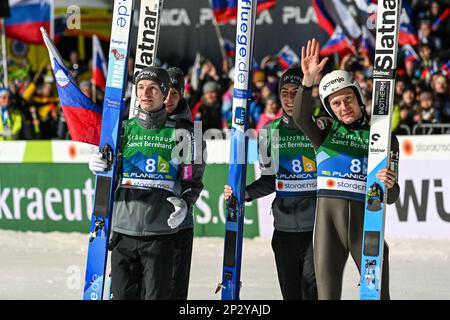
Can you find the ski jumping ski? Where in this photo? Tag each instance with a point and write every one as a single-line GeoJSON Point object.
{"type": "Point", "coordinates": [234, 225]}
{"type": "Point", "coordinates": [106, 182]}
{"type": "Point", "coordinates": [147, 42]}
{"type": "Point", "coordinates": [387, 29]}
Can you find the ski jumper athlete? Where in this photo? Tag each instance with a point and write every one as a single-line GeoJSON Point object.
{"type": "Point", "coordinates": [146, 211]}
{"type": "Point", "coordinates": [341, 143]}
{"type": "Point", "coordinates": [178, 111]}
{"type": "Point", "coordinates": [288, 168]}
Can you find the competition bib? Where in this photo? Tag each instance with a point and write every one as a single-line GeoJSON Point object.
{"type": "Point", "coordinates": [342, 163]}
{"type": "Point", "coordinates": [147, 157]}
{"type": "Point", "coordinates": [294, 159]}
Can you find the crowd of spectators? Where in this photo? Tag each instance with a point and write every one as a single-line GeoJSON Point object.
{"type": "Point", "coordinates": [30, 107]}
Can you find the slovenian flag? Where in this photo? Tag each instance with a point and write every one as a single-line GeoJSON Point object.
{"type": "Point", "coordinates": [407, 33]}
{"type": "Point", "coordinates": [368, 43]}
{"type": "Point", "coordinates": [83, 117]}
{"type": "Point", "coordinates": [98, 64]}
{"type": "Point", "coordinates": [410, 54]}
{"type": "Point", "coordinates": [444, 15]}
{"type": "Point", "coordinates": [229, 47]}
{"type": "Point", "coordinates": [324, 19]}
{"type": "Point", "coordinates": [226, 10]}
{"type": "Point", "coordinates": [287, 57]}
{"type": "Point", "coordinates": [26, 17]}
{"type": "Point", "coordinates": [446, 68]}
{"type": "Point", "coordinates": [338, 43]}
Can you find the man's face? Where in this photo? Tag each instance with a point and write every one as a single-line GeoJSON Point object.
{"type": "Point", "coordinates": [425, 52]}
{"type": "Point", "coordinates": [287, 97]}
{"type": "Point", "coordinates": [440, 85]}
{"type": "Point", "coordinates": [47, 89]}
{"type": "Point", "coordinates": [399, 87]}
{"type": "Point", "coordinates": [345, 105]}
{"type": "Point", "coordinates": [210, 97]}
{"type": "Point", "coordinates": [426, 100]}
{"type": "Point", "coordinates": [425, 28]}
{"type": "Point", "coordinates": [87, 91]}
{"type": "Point", "coordinates": [150, 96]}
{"type": "Point", "coordinates": [408, 96]}
{"type": "Point", "coordinates": [271, 106]}
{"type": "Point", "coordinates": [172, 100]}
{"type": "Point", "coordinates": [4, 99]}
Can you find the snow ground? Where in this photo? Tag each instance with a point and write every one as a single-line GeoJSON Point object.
{"type": "Point", "coordinates": [51, 266]}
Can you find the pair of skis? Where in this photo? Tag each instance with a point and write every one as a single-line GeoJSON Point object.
{"type": "Point", "coordinates": [388, 18]}
{"type": "Point", "coordinates": [234, 225]}
{"type": "Point", "coordinates": [114, 104]}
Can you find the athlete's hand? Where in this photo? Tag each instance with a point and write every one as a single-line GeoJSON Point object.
{"type": "Point", "coordinates": [227, 192]}
{"type": "Point", "coordinates": [387, 177]}
{"type": "Point", "coordinates": [96, 163]}
{"type": "Point", "coordinates": [310, 61]}
{"type": "Point", "coordinates": [178, 216]}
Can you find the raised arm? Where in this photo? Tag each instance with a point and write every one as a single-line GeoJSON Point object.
{"type": "Point", "coordinates": [303, 108]}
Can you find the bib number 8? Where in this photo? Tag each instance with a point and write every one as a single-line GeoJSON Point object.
{"type": "Point", "coordinates": [296, 166]}
{"type": "Point", "coordinates": [357, 167]}
{"type": "Point", "coordinates": [150, 165]}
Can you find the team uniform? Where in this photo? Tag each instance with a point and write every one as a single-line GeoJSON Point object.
{"type": "Point", "coordinates": [179, 284]}
{"type": "Point", "coordinates": [146, 210]}
{"type": "Point", "coordinates": [289, 169]}
{"type": "Point", "coordinates": [341, 156]}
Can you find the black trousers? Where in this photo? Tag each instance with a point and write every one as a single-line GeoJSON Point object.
{"type": "Point", "coordinates": [294, 259]}
{"type": "Point", "coordinates": [181, 264]}
{"type": "Point", "coordinates": [141, 267]}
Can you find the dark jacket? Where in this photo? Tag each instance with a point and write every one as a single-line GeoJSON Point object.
{"type": "Point", "coordinates": [144, 212]}
{"type": "Point", "coordinates": [291, 214]}
{"type": "Point", "coordinates": [182, 114]}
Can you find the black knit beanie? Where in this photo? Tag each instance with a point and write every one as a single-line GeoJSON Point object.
{"type": "Point", "coordinates": [159, 75]}
{"type": "Point", "coordinates": [292, 75]}
{"type": "Point", "coordinates": [176, 79]}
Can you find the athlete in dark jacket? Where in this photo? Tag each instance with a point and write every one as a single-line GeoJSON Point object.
{"type": "Point", "coordinates": [147, 212]}
{"type": "Point", "coordinates": [288, 168]}
{"type": "Point", "coordinates": [341, 142]}
{"type": "Point", "coordinates": [178, 110]}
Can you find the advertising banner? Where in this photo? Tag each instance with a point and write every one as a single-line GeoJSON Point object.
{"type": "Point", "coordinates": [47, 186]}
{"type": "Point", "coordinates": [58, 197]}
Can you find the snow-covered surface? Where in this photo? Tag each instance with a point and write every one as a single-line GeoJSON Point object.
{"type": "Point", "coordinates": [51, 266]}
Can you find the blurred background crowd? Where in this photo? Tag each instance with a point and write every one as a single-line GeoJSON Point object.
{"type": "Point", "coordinates": [30, 106]}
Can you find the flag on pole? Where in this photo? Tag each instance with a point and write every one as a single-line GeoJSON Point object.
{"type": "Point", "coordinates": [407, 33]}
{"type": "Point", "coordinates": [98, 64]}
{"type": "Point", "coordinates": [226, 10]}
{"type": "Point", "coordinates": [410, 54]}
{"type": "Point", "coordinates": [83, 117]}
{"type": "Point", "coordinates": [324, 19]}
{"type": "Point", "coordinates": [446, 68]}
{"type": "Point", "coordinates": [444, 15]}
{"type": "Point", "coordinates": [26, 17]}
{"type": "Point", "coordinates": [229, 47]}
{"type": "Point", "coordinates": [338, 43]}
{"type": "Point", "coordinates": [368, 43]}
{"type": "Point", "coordinates": [333, 13]}
{"type": "Point", "coordinates": [287, 57]}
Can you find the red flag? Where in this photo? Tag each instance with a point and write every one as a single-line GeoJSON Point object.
{"type": "Point", "coordinates": [226, 10]}
{"type": "Point", "coordinates": [98, 64]}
